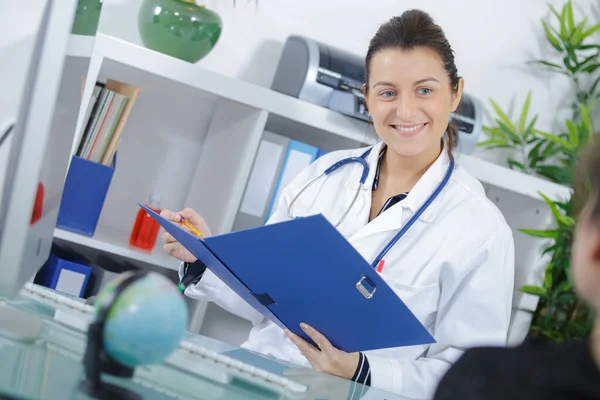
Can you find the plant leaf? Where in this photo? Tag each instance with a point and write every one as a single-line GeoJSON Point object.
{"type": "Point", "coordinates": [558, 16]}
{"type": "Point", "coordinates": [589, 58]}
{"type": "Point", "coordinates": [529, 131]}
{"type": "Point", "coordinates": [571, 67]}
{"type": "Point", "coordinates": [560, 175]}
{"type": "Point", "coordinates": [577, 36]}
{"type": "Point", "coordinates": [587, 124]}
{"type": "Point", "coordinates": [590, 68]}
{"type": "Point", "coordinates": [563, 25]}
{"type": "Point", "coordinates": [564, 286]}
{"type": "Point", "coordinates": [534, 290]}
{"type": "Point", "coordinates": [547, 64]}
{"type": "Point", "coordinates": [566, 221]}
{"type": "Point", "coordinates": [549, 249]}
{"type": "Point", "coordinates": [534, 154]}
{"type": "Point", "coordinates": [593, 88]}
{"type": "Point", "coordinates": [590, 31]}
{"type": "Point", "coordinates": [570, 20]}
{"type": "Point", "coordinates": [552, 205]}
{"type": "Point", "coordinates": [513, 163]}
{"type": "Point", "coordinates": [559, 141]}
{"type": "Point", "coordinates": [524, 113]}
{"type": "Point", "coordinates": [588, 47]}
{"type": "Point", "coordinates": [511, 134]}
{"type": "Point", "coordinates": [573, 134]}
{"type": "Point", "coordinates": [495, 132]}
{"type": "Point", "coordinates": [550, 234]}
{"type": "Point", "coordinates": [548, 278]}
{"type": "Point", "coordinates": [493, 142]}
{"type": "Point", "coordinates": [503, 116]}
{"type": "Point", "coordinates": [550, 150]}
{"type": "Point", "coordinates": [551, 38]}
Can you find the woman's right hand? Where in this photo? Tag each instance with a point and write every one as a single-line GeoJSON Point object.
{"type": "Point", "coordinates": [171, 245]}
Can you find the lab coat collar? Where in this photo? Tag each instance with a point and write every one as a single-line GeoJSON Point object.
{"type": "Point", "coordinates": [427, 185]}
{"type": "Point", "coordinates": [419, 193]}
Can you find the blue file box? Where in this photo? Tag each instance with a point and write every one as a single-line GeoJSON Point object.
{"type": "Point", "coordinates": [65, 274]}
{"type": "Point", "coordinates": [83, 196]}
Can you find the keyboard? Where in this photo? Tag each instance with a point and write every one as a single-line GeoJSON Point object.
{"type": "Point", "coordinates": [58, 298]}
{"type": "Point", "coordinates": [241, 370]}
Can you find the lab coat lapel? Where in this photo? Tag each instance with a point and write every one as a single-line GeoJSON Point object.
{"type": "Point", "coordinates": [396, 216]}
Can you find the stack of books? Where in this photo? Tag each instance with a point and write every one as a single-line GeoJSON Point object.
{"type": "Point", "coordinates": [105, 117]}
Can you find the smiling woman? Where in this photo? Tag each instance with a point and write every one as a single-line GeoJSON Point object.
{"type": "Point", "coordinates": [417, 216]}
{"type": "Point", "coordinates": [411, 88]}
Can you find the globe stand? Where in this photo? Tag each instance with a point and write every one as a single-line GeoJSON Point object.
{"type": "Point", "coordinates": [97, 361]}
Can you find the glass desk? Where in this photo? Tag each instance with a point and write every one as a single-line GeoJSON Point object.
{"type": "Point", "coordinates": [50, 367]}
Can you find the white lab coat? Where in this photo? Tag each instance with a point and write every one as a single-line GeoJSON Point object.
{"type": "Point", "coordinates": [454, 268]}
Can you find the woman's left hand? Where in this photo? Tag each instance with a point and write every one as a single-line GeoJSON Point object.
{"type": "Point", "coordinates": [326, 358]}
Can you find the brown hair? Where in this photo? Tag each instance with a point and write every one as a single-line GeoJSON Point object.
{"type": "Point", "coordinates": [587, 189]}
{"type": "Point", "coordinates": [416, 28]}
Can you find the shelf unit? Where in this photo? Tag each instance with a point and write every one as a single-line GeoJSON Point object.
{"type": "Point", "coordinates": [194, 133]}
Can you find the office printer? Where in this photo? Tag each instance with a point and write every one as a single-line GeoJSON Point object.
{"type": "Point", "coordinates": [333, 78]}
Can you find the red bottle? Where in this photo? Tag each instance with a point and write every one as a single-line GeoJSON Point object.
{"type": "Point", "coordinates": [38, 206]}
{"type": "Point", "coordinates": [145, 229]}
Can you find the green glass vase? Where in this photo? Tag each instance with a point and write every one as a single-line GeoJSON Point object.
{"type": "Point", "coordinates": [87, 17]}
{"type": "Point", "coordinates": [179, 28]}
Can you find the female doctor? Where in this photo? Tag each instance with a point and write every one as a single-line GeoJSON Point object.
{"type": "Point", "coordinates": [453, 267]}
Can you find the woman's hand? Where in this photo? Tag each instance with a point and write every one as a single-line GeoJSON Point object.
{"type": "Point", "coordinates": [326, 358]}
{"type": "Point", "coordinates": [172, 246]}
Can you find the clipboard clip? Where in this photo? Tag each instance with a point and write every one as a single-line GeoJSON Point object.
{"type": "Point", "coordinates": [363, 290]}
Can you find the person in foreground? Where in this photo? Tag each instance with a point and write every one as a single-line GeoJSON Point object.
{"type": "Point", "coordinates": [454, 268]}
{"type": "Point", "coordinates": [546, 371]}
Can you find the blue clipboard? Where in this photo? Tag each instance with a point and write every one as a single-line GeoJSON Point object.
{"type": "Point", "coordinates": [304, 270]}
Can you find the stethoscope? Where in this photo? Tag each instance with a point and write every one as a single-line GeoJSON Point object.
{"type": "Point", "coordinates": [365, 172]}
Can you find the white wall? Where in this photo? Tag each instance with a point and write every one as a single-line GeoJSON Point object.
{"type": "Point", "coordinates": [492, 39]}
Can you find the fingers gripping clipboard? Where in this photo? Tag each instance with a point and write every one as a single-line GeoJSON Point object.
{"type": "Point", "coordinates": [304, 270]}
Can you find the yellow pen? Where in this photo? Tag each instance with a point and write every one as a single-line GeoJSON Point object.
{"type": "Point", "coordinates": [191, 227]}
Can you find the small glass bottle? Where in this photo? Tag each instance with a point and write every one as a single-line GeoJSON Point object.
{"type": "Point", "coordinates": [145, 229]}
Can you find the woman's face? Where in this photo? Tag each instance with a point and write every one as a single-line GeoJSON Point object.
{"type": "Point", "coordinates": [410, 99]}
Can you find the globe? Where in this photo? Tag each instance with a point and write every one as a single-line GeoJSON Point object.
{"type": "Point", "coordinates": [146, 322]}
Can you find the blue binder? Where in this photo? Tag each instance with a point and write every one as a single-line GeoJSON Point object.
{"type": "Point", "coordinates": [304, 270]}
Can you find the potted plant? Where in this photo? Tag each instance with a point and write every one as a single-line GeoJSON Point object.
{"type": "Point", "coordinates": [559, 316]}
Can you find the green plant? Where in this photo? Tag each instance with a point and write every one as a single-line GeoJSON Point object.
{"type": "Point", "coordinates": [577, 57]}
{"type": "Point", "coordinates": [548, 155]}
{"type": "Point", "coordinates": [559, 316]}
